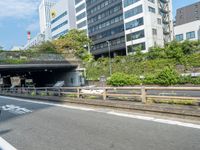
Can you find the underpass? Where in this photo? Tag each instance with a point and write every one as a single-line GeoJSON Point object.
{"type": "Point", "coordinates": [40, 69]}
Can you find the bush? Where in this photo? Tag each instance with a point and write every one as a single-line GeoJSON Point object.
{"type": "Point", "coordinates": [196, 81]}
{"type": "Point", "coordinates": [185, 79]}
{"type": "Point", "coordinates": [122, 79]}
{"type": "Point", "coordinates": [149, 79]}
{"type": "Point", "coordinates": [168, 77]}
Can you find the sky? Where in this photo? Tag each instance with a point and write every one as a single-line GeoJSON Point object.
{"type": "Point", "coordinates": [19, 16]}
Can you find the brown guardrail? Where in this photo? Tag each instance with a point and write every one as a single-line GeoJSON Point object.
{"type": "Point", "coordinates": [142, 94]}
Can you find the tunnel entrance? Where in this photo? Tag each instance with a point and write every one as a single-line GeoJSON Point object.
{"type": "Point", "coordinates": [43, 76]}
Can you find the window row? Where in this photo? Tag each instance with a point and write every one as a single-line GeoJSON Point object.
{"type": "Point", "coordinates": [79, 8]}
{"type": "Point", "coordinates": [114, 42]}
{"type": "Point", "coordinates": [82, 24]}
{"type": "Point", "coordinates": [135, 35]}
{"type": "Point", "coordinates": [108, 33]}
{"type": "Point", "coordinates": [135, 23]}
{"type": "Point", "coordinates": [81, 16]}
{"type": "Point", "coordinates": [135, 47]}
{"type": "Point", "coordinates": [106, 13]}
{"type": "Point", "coordinates": [106, 23]}
{"type": "Point", "coordinates": [189, 35]}
{"type": "Point", "coordinates": [59, 26]}
{"type": "Point", "coordinates": [60, 34]}
{"type": "Point", "coordinates": [135, 11]}
{"type": "Point", "coordinates": [77, 1]}
{"type": "Point", "coordinates": [59, 17]}
{"type": "Point", "coordinates": [89, 2]}
{"type": "Point", "coordinates": [129, 2]}
{"type": "Point", "coordinates": [100, 6]}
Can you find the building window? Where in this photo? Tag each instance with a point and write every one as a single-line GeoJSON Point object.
{"type": "Point", "coordinates": [132, 12]}
{"type": "Point", "coordinates": [133, 48]}
{"type": "Point", "coordinates": [159, 21]}
{"type": "Point", "coordinates": [154, 31]}
{"type": "Point", "coordinates": [81, 7]}
{"type": "Point", "coordinates": [179, 37]}
{"type": "Point", "coordinates": [77, 1]}
{"type": "Point", "coordinates": [190, 35]}
{"type": "Point", "coordinates": [151, 9]}
{"type": "Point", "coordinates": [134, 23]}
{"type": "Point", "coordinates": [129, 2]}
{"type": "Point", "coordinates": [82, 24]}
{"type": "Point", "coordinates": [135, 35]}
{"type": "Point", "coordinates": [59, 17]}
{"type": "Point", "coordinates": [81, 16]}
{"type": "Point", "coordinates": [59, 26]}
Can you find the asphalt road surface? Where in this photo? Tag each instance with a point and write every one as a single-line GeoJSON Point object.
{"type": "Point", "coordinates": [39, 126]}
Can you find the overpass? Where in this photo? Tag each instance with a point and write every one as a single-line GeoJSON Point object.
{"type": "Point", "coordinates": [44, 69]}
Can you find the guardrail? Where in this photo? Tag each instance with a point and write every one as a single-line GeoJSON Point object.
{"type": "Point", "coordinates": [140, 94]}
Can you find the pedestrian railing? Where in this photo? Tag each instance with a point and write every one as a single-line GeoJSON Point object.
{"type": "Point", "coordinates": [139, 94]}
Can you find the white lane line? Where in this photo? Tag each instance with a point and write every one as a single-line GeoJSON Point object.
{"type": "Point", "coordinates": [140, 117]}
{"type": "Point", "coordinates": [163, 121]}
{"type": "Point", "coordinates": [5, 145]}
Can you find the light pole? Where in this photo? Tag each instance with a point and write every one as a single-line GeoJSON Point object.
{"type": "Point", "coordinates": [110, 67]}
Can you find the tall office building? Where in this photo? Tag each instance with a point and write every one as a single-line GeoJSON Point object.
{"type": "Point", "coordinates": [81, 15]}
{"type": "Point", "coordinates": [187, 25]}
{"type": "Point", "coordinates": [45, 18]}
{"type": "Point", "coordinates": [62, 18]}
{"type": "Point", "coordinates": [125, 25]}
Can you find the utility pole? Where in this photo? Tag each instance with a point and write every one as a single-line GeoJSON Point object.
{"type": "Point", "coordinates": [109, 49]}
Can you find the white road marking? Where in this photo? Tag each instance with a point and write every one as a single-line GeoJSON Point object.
{"type": "Point", "coordinates": [15, 109]}
{"type": "Point", "coordinates": [140, 117]}
{"type": "Point", "coordinates": [5, 145]}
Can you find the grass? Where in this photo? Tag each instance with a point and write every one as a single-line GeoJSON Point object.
{"type": "Point", "coordinates": [176, 102]}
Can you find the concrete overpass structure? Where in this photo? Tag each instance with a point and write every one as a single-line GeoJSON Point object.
{"type": "Point", "coordinates": [42, 69]}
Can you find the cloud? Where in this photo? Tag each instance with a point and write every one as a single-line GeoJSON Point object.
{"type": "Point", "coordinates": [18, 8]}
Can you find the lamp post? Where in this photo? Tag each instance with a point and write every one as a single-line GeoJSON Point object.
{"type": "Point", "coordinates": [110, 67]}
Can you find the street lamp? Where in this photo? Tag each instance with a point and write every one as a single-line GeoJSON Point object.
{"type": "Point", "coordinates": [110, 67]}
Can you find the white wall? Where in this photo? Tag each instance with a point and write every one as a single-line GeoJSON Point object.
{"type": "Point", "coordinates": [189, 27]}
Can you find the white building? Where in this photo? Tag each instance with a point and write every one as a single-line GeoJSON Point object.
{"type": "Point", "coordinates": [62, 18]}
{"type": "Point", "coordinates": [45, 18]}
{"type": "Point", "coordinates": [147, 23]}
{"type": "Point", "coordinates": [187, 25]}
{"type": "Point", "coordinates": [81, 15]}
{"type": "Point", "coordinates": [37, 40]}
{"type": "Point", "coordinates": [188, 31]}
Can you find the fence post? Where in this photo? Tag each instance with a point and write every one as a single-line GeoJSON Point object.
{"type": "Point", "coordinates": [105, 94]}
{"type": "Point", "coordinates": [144, 95]}
{"type": "Point", "coordinates": [78, 92]}
{"type": "Point", "coordinates": [59, 92]}
{"type": "Point", "coordinates": [46, 91]}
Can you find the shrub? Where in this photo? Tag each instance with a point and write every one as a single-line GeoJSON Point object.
{"type": "Point", "coordinates": [185, 79]}
{"type": "Point", "coordinates": [196, 81]}
{"type": "Point", "coordinates": [167, 77]}
{"type": "Point", "coordinates": [149, 79]}
{"type": "Point", "coordinates": [122, 79]}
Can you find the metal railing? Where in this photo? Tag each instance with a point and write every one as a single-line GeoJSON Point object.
{"type": "Point", "coordinates": [139, 94]}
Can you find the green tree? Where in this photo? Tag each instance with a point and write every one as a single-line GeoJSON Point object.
{"type": "Point", "coordinates": [45, 47]}
{"type": "Point", "coordinates": [156, 52]}
{"type": "Point", "coordinates": [75, 42]}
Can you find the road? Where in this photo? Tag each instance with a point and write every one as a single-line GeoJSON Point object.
{"type": "Point", "coordinates": [28, 125]}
